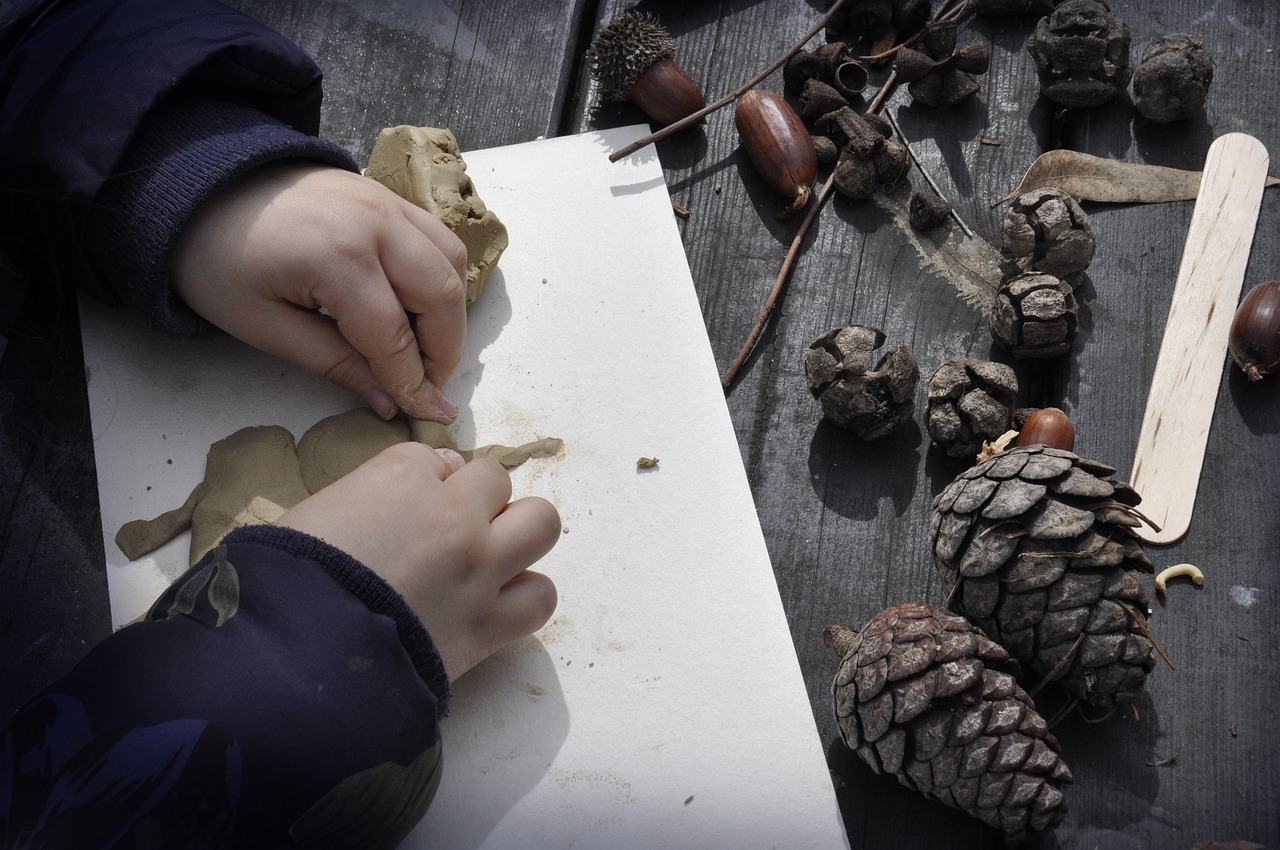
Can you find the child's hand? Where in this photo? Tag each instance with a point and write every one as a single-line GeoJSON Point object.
{"type": "Point", "coordinates": [446, 537]}
{"type": "Point", "coordinates": [262, 258]}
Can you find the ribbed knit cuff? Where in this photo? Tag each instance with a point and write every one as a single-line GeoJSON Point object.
{"type": "Point", "coordinates": [367, 586]}
{"type": "Point", "coordinates": [190, 147]}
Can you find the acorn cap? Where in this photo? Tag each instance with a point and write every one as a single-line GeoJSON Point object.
{"type": "Point", "coordinates": [624, 50]}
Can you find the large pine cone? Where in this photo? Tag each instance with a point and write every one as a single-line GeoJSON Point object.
{"type": "Point", "coordinates": [923, 695]}
{"type": "Point", "coordinates": [1035, 546]}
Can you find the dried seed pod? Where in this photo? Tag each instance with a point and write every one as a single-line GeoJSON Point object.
{"type": "Point", "coordinates": [927, 210]}
{"type": "Point", "coordinates": [1048, 427]}
{"type": "Point", "coordinates": [1036, 547]}
{"type": "Point", "coordinates": [936, 73]}
{"type": "Point", "coordinates": [825, 150]}
{"type": "Point", "coordinates": [873, 403]}
{"type": "Point", "coordinates": [970, 401]}
{"type": "Point", "coordinates": [893, 165]}
{"type": "Point", "coordinates": [1081, 52]}
{"type": "Point", "coordinates": [776, 140]}
{"type": "Point", "coordinates": [861, 19]}
{"type": "Point", "coordinates": [850, 130]}
{"type": "Point", "coordinates": [1172, 80]}
{"type": "Point", "coordinates": [910, 16]}
{"type": "Point", "coordinates": [855, 178]}
{"type": "Point", "coordinates": [1035, 316]}
{"type": "Point", "coordinates": [1255, 331]}
{"type": "Point", "coordinates": [634, 59]}
{"type": "Point", "coordinates": [1046, 230]}
{"type": "Point", "coordinates": [924, 696]}
{"type": "Point", "coordinates": [818, 99]}
{"type": "Point", "coordinates": [1013, 8]}
{"type": "Point", "coordinates": [801, 68]}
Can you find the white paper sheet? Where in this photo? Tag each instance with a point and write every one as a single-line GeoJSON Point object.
{"type": "Point", "coordinates": [663, 705]}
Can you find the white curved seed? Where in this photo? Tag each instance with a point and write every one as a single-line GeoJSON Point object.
{"type": "Point", "coordinates": [1179, 570]}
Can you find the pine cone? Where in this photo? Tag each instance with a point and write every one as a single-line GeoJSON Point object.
{"type": "Point", "coordinates": [1046, 230]}
{"type": "Point", "coordinates": [873, 403]}
{"type": "Point", "coordinates": [1035, 316]}
{"type": "Point", "coordinates": [1035, 546]}
{"type": "Point", "coordinates": [1081, 52]}
{"type": "Point", "coordinates": [970, 401]}
{"type": "Point", "coordinates": [925, 696]}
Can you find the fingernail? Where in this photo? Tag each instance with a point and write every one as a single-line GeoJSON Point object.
{"type": "Point", "coordinates": [380, 403]}
{"type": "Point", "coordinates": [447, 408]}
{"type": "Point", "coordinates": [452, 458]}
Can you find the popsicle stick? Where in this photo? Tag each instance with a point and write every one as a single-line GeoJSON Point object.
{"type": "Point", "coordinates": [1184, 388]}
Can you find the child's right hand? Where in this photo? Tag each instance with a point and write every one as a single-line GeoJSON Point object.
{"type": "Point", "coordinates": [447, 537]}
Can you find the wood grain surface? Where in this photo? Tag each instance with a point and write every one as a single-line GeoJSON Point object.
{"type": "Point", "coordinates": [846, 522]}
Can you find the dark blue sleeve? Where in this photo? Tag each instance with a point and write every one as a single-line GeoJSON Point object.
{"type": "Point", "coordinates": [277, 694]}
{"type": "Point", "coordinates": [81, 81]}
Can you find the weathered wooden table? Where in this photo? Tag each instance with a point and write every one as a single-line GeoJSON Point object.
{"type": "Point", "coordinates": [846, 522]}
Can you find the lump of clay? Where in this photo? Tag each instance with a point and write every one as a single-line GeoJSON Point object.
{"type": "Point", "coordinates": [424, 166]}
{"type": "Point", "coordinates": [256, 474]}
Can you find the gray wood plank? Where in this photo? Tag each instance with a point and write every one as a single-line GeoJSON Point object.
{"type": "Point", "coordinates": [846, 522]}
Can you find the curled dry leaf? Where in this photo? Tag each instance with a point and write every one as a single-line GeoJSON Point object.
{"type": "Point", "coordinates": [1096, 178]}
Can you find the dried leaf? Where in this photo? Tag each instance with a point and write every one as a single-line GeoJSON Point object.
{"type": "Point", "coordinates": [1096, 178]}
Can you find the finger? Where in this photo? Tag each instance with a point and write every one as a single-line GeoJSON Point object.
{"type": "Point", "coordinates": [482, 487]}
{"type": "Point", "coordinates": [429, 276]}
{"type": "Point", "coordinates": [452, 459]}
{"type": "Point", "coordinates": [314, 342]}
{"type": "Point", "coordinates": [371, 318]}
{"type": "Point", "coordinates": [524, 605]}
{"type": "Point", "coordinates": [526, 530]}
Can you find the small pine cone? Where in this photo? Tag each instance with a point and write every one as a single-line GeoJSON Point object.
{"type": "Point", "coordinates": [923, 695]}
{"type": "Point", "coordinates": [1035, 316]}
{"type": "Point", "coordinates": [871, 403]}
{"type": "Point", "coordinates": [1046, 230]}
{"type": "Point", "coordinates": [970, 401]}
{"type": "Point", "coordinates": [1081, 52]}
{"type": "Point", "coordinates": [1035, 546]}
{"type": "Point", "coordinates": [1172, 80]}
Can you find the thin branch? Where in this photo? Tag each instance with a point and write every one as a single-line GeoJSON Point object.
{"type": "Point", "coordinates": [780, 282]}
{"type": "Point", "coordinates": [928, 178]}
{"type": "Point", "coordinates": [659, 135]}
{"type": "Point", "coordinates": [945, 14]}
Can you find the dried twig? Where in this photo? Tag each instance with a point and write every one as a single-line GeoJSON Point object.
{"type": "Point", "coordinates": [659, 135]}
{"type": "Point", "coordinates": [928, 178]}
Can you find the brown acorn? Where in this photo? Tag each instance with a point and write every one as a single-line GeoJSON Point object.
{"type": "Point", "coordinates": [1254, 338]}
{"type": "Point", "coordinates": [778, 143]}
{"type": "Point", "coordinates": [1048, 427]}
{"type": "Point", "coordinates": [634, 59]}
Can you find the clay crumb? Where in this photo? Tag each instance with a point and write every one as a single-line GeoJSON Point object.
{"type": "Point", "coordinates": [688, 800]}
{"type": "Point", "coordinates": [679, 209]}
{"type": "Point", "coordinates": [646, 462]}
{"type": "Point", "coordinates": [989, 140]}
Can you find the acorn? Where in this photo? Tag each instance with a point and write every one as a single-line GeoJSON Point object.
{"type": "Point", "coordinates": [1254, 337]}
{"type": "Point", "coordinates": [779, 145]}
{"type": "Point", "coordinates": [1048, 427]}
{"type": "Point", "coordinates": [634, 59]}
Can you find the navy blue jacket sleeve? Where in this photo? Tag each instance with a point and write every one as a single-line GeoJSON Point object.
{"type": "Point", "coordinates": [118, 118]}
{"type": "Point", "coordinates": [278, 694]}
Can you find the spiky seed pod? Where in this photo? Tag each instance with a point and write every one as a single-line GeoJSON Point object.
{"type": "Point", "coordinates": [778, 143]}
{"type": "Point", "coordinates": [1173, 78]}
{"type": "Point", "coordinates": [1081, 53]}
{"type": "Point", "coordinates": [1046, 230]}
{"type": "Point", "coordinates": [1035, 316]}
{"type": "Point", "coordinates": [1035, 546]}
{"type": "Point", "coordinates": [970, 401]}
{"type": "Point", "coordinates": [924, 696]}
{"type": "Point", "coordinates": [634, 59]}
{"type": "Point", "coordinates": [873, 403]}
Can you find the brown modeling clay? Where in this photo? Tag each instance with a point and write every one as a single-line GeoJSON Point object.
{"type": "Point", "coordinates": [256, 474]}
{"type": "Point", "coordinates": [424, 166]}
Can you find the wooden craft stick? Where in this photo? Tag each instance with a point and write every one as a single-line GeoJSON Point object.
{"type": "Point", "coordinates": [1184, 388]}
